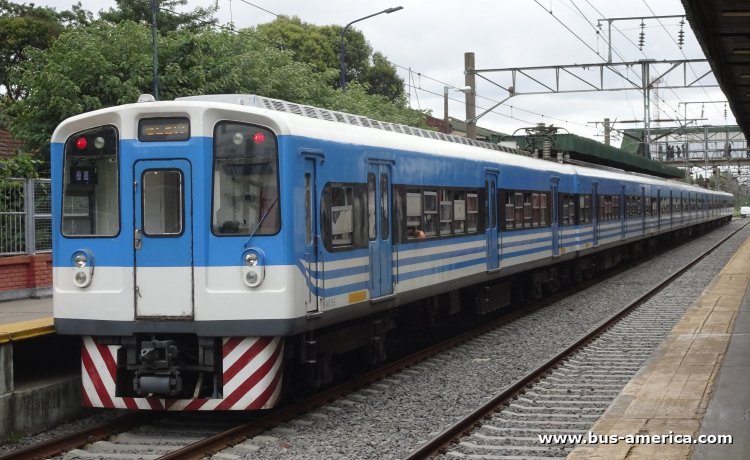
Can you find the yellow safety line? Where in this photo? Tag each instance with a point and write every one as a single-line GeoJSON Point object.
{"type": "Point", "coordinates": [26, 329]}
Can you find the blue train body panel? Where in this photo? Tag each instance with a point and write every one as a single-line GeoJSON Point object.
{"type": "Point", "coordinates": [154, 235]}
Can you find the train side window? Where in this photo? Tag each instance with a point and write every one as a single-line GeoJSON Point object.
{"type": "Point", "coordinates": [616, 206]}
{"type": "Point", "coordinates": [413, 213]}
{"type": "Point", "coordinates": [543, 209]}
{"type": "Point", "coordinates": [342, 216]}
{"type": "Point", "coordinates": [510, 219]}
{"type": "Point", "coordinates": [446, 213]}
{"type": "Point", "coordinates": [535, 210]}
{"type": "Point", "coordinates": [518, 209]}
{"type": "Point", "coordinates": [607, 202]}
{"type": "Point", "coordinates": [472, 212]}
{"type": "Point", "coordinates": [527, 210]}
{"type": "Point", "coordinates": [371, 220]}
{"type": "Point", "coordinates": [384, 217]}
{"type": "Point", "coordinates": [568, 210]}
{"type": "Point", "coordinates": [572, 210]}
{"type": "Point", "coordinates": [584, 202]}
{"type": "Point", "coordinates": [430, 213]}
{"type": "Point", "coordinates": [459, 213]}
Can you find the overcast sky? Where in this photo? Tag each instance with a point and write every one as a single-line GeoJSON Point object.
{"type": "Point", "coordinates": [428, 38]}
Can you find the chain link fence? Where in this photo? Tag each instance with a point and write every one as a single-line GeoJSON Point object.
{"type": "Point", "coordinates": [25, 216]}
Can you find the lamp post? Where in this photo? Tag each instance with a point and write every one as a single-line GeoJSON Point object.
{"type": "Point", "coordinates": [154, 9]}
{"type": "Point", "coordinates": [342, 65]}
{"type": "Point", "coordinates": [446, 122]}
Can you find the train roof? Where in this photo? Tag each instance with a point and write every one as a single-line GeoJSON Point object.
{"type": "Point", "coordinates": [314, 122]}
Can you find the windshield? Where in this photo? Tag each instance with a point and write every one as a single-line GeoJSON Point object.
{"type": "Point", "coordinates": [90, 184]}
{"type": "Point", "coordinates": [245, 187]}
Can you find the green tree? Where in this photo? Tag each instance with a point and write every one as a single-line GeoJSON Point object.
{"type": "Point", "coordinates": [319, 47]}
{"type": "Point", "coordinates": [23, 27]}
{"type": "Point", "coordinates": [105, 64]}
{"type": "Point", "coordinates": [167, 19]}
{"type": "Point", "coordinates": [383, 79]}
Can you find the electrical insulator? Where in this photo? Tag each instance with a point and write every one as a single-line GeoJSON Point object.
{"type": "Point", "coordinates": [641, 36]}
{"type": "Point", "coordinates": [703, 106]}
{"type": "Point", "coordinates": [681, 35]}
{"type": "Point", "coordinates": [725, 110]}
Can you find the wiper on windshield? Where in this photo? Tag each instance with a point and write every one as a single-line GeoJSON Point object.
{"type": "Point", "coordinates": [260, 222]}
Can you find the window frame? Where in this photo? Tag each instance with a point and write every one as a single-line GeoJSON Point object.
{"type": "Point", "coordinates": [66, 170]}
{"type": "Point", "coordinates": [277, 206]}
{"type": "Point", "coordinates": [182, 203]}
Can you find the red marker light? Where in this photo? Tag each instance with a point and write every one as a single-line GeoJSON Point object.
{"type": "Point", "coordinates": [81, 143]}
{"type": "Point", "coordinates": [259, 138]}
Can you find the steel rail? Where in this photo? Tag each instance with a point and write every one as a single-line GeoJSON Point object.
{"type": "Point", "coordinates": [71, 441]}
{"type": "Point", "coordinates": [466, 424]}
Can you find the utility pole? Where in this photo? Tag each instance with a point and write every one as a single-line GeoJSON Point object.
{"type": "Point", "coordinates": [446, 122]}
{"type": "Point", "coordinates": [471, 96]}
{"type": "Point", "coordinates": [607, 132]}
{"type": "Point", "coordinates": [646, 85]}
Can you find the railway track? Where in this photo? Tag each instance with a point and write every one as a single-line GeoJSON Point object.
{"type": "Point", "coordinates": [148, 435]}
{"type": "Point", "coordinates": [569, 392]}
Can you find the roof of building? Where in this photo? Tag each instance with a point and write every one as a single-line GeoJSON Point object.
{"type": "Point", "coordinates": [723, 31]}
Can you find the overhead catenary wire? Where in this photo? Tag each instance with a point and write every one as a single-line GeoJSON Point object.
{"type": "Point", "coordinates": [681, 50]}
{"type": "Point", "coordinates": [531, 112]}
{"type": "Point", "coordinates": [417, 86]}
{"type": "Point", "coordinates": [616, 51]}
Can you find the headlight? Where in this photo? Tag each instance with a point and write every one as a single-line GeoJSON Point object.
{"type": "Point", "coordinates": [83, 268]}
{"type": "Point", "coordinates": [80, 260]}
{"type": "Point", "coordinates": [253, 268]}
{"type": "Point", "coordinates": [251, 259]}
{"type": "Point", "coordinates": [81, 278]}
{"type": "Point", "coordinates": [251, 278]}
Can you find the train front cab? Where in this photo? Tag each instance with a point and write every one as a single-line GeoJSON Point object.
{"type": "Point", "coordinates": [162, 238]}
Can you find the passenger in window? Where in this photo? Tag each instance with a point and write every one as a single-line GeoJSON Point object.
{"type": "Point", "coordinates": [415, 232]}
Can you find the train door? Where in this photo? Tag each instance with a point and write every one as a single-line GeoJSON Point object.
{"type": "Point", "coordinates": [163, 238]}
{"type": "Point", "coordinates": [555, 218]}
{"type": "Point", "coordinates": [643, 210]}
{"type": "Point", "coordinates": [658, 210]}
{"type": "Point", "coordinates": [379, 202]}
{"type": "Point", "coordinates": [490, 193]}
{"type": "Point", "coordinates": [595, 211]}
{"type": "Point", "coordinates": [623, 214]}
{"type": "Point", "coordinates": [312, 237]}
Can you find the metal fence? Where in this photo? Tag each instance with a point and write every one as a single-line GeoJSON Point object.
{"type": "Point", "coordinates": [25, 216]}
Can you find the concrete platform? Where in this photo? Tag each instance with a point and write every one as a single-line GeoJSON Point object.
{"type": "Point", "coordinates": [23, 319]}
{"type": "Point", "coordinates": [37, 391]}
{"type": "Point", "coordinates": [697, 383]}
{"type": "Point", "coordinates": [13, 311]}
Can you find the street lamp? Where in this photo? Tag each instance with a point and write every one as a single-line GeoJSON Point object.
{"type": "Point", "coordinates": [463, 89]}
{"type": "Point", "coordinates": [342, 65]}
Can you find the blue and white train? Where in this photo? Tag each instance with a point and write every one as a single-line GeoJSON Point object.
{"type": "Point", "coordinates": [213, 250]}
